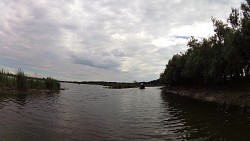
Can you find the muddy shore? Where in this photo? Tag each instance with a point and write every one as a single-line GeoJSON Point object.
{"type": "Point", "coordinates": [236, 95]}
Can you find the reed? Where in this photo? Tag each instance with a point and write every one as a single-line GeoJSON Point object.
{"type": "Point", "coordinates": [21, 82]}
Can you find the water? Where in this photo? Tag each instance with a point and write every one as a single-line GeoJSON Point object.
{"type": "Point", "coordinates": [87, 112]}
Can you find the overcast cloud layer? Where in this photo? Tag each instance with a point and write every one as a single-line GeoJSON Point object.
{"type": "Point", "coordinates": [110, 40]}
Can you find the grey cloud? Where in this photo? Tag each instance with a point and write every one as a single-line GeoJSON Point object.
{"type": "Point", "coordinates": [102, 62]}
{"type": "Point", "coordinates": [76, 37]}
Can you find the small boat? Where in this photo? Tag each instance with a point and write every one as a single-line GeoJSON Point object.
{"type": "Point", "coordinates": [142, 86]}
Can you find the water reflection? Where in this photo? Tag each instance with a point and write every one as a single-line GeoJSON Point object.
{"type": "Point", "coordinates": [27, 116]}
{"type": "Point", "coordinates": [207, 121]}
{"type": "Point", "coordinates": [21, 99]}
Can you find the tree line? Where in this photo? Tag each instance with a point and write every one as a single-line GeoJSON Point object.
{"type": "Point", "coordinates": [20, 81]}
{"type": "Point", "coordinates": [221, 58]}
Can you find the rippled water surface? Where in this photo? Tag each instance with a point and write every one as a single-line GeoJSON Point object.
{"type": "Point", "coordinates": [88, 112]}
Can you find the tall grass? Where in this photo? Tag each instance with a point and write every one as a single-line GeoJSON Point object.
{"type": "Point", "coordinates": [20, 81]}
{"type": "Point", "coordinates": [51, 83]}
{"type": "Point", "coordinates": [7, 81]}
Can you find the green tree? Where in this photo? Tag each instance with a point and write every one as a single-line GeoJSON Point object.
{"type": "Point", "coordinates": [221, 58]}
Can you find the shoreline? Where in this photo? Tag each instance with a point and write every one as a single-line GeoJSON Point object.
{"type": "Point", "coordinates": [230, 96]}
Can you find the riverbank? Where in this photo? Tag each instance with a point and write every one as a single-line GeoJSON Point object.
{"type": "Point", "coordinates": [235, 95]}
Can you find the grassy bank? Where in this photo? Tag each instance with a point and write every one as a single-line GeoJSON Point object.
{"type": "Point", "coordinates": [21, 82]}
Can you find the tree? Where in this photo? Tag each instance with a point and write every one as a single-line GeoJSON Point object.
{"type": "Point", "coordinates": [221, 58]}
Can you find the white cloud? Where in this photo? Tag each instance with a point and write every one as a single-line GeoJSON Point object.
{"type": "Point", "coordinates": [196, 30]}
{"type": "Point", "coordinates": [172, 40]}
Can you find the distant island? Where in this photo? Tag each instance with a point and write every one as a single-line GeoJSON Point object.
{"type": "Point", "coordinates": [216, 68]}
{"type": "Point", "coordinates": [19, 82]}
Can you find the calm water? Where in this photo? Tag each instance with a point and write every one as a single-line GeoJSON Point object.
{"type": "Point", "coordinates": [86, 112]}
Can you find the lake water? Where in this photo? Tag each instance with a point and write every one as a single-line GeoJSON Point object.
{"type": "Point", "coordinates": [88, 112]}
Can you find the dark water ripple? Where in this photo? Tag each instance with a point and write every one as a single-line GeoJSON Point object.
{"type": "Point", "coordinates": [87, 112]}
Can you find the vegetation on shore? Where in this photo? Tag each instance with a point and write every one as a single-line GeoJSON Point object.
{"type": "Point", "coordinates": [21, 82]}
{"type": "Point", "coordinates": [119, 85]}
{"type": "Point", "coordinates": [220, 59]}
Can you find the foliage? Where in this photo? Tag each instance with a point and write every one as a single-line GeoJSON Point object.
{"type": "Point", "coordinates": [221, 58]}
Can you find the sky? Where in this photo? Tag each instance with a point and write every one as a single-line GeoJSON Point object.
{"type": "Point", "coordinates": [102, 40]}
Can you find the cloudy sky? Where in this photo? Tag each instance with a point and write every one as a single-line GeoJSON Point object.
{"type": "Point", "coordinates": [110, 40]}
